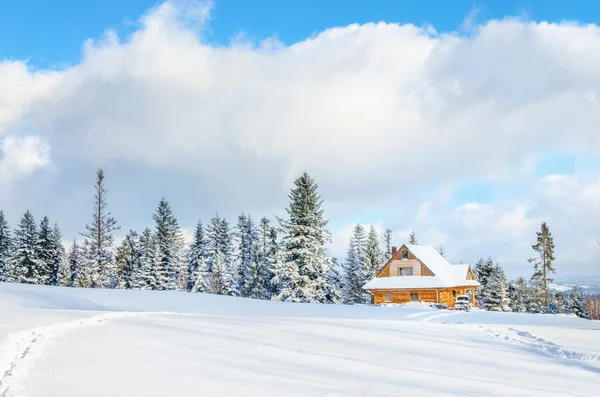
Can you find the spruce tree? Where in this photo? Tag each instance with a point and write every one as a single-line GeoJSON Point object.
{"type": "Point", "coordinates": [98, 233]}
{"type": "Point", "coordinates": [335, 283]}
{"type": "Point", "coordinates": [517, 294]}
{"type": "Point", "coordinates": [45, 252]}
{"type": "Point", "coordinates": [494, 295]}
{"type": "Point", "coordinates": [124, 266]}
{"type": "Point", "coordinates": [412, 238]}
{"type": "Point", "coordinates": [86, 267]}
{"type": "Point", "coordinates": [301, 276]}
{"type": "Point", "coordinates": [441, 251]}
{"type": "Point", "coordinates": [221, 281]}
{"type": "Point", "coordinates": [169, 245]}
{"type": "Point", "coordinates": [543, 261]}
{"type": "Point", "coordinates": [387, 241]}
{"type": "Point", "coordinates": [147, 277]}
{"type": "Point", "coordinates": [58, 257]}
{"type": "Point", "coordinates": [197, 255]}
{"type": "Point", "coordinates": [482, 271]}
{"type": "Point", "coordinates": [247, 252]}
{"type": "Point", "coordinates": [203, 281]}
{"type": "Point", "coordinates": [74, 262]}
{"type": "Point", "coordinates": [374, 257]}
{"type": "Point", "coordinates": [27, 266]}
{"type": "Point", "coordinates": [579, 304]}
{"type": "Point", "coordinates": [354, 267]}
{"type": "Point", "coordinates": [5, 248]}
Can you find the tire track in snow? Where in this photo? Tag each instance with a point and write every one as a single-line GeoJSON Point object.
{"type": "Point", "coordinates": [22, 349]}
{"type": "Point", "coordinates": [531, 342]}
{"type": "Point", "coordinates": [429, 317]}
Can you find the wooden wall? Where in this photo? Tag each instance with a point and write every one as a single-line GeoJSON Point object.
{"type": "Point", "coordinates": [425, 295]}
{"type": "Point", "coordinates": [396, 262]}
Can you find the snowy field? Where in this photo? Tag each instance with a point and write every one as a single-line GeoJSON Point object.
{"type": "Point", "coordinates": [74, 342]}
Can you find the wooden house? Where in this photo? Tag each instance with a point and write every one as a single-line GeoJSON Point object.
{"type": "Point", "coordinates": [419, 273]}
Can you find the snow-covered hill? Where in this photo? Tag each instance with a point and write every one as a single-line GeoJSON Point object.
{"type": "Point", "coordinates": [75, 342]}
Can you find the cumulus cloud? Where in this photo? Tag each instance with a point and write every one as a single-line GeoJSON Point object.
{"type": "Point", "coordinates": [20, 157]}
{"type": "Point", "coordinates": [376, 112]}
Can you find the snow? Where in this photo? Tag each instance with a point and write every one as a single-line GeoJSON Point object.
{"type": "Point", "coordinates": [73, 342]}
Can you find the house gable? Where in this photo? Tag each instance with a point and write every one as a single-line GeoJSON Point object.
{"type": "Point", "coordinates": [470, 274]}
{"type": "Point", "coordinates": [393, 266]}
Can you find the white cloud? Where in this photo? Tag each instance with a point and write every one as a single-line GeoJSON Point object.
{"type": "Point", "coordinates": [375, 112]}
{"type": "Point", "coordinates": [21, 156]}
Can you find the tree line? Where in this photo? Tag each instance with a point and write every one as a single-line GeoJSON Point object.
{"type": "Point", "coordinates": [286, 261]}
{"type": "Point", "coordinates": [496, 293]}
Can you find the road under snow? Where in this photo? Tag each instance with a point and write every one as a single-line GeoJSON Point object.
{"type": "Point", "coordinates": [75, 342]}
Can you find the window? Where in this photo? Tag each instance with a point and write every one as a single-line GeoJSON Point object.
{"type": "Point", "coordinates": [405, 271]}
{"type": "Point", "coordinates": [388, 298]}
{"type": "Point", "coordinates": [414, 297]}
{"type": "Point", "coordinates": [404, 255]}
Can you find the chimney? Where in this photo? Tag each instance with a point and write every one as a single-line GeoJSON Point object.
{"type": "Point", "coordinates": [394, 250]}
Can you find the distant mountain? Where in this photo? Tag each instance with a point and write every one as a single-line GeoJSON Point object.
{"type": "Point", "coordinates": [588, 284]}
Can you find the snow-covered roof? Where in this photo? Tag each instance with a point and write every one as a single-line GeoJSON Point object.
{"type": "Point", "coordinates": [445, 274]}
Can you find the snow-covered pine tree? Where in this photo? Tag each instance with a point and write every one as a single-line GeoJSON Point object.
{"type": "Point", "coordinates": [412, 238]}
{"type": "Point", "coordinates": [147, 277]}
{"type": "Point", "coordinates": [354, 267]}
{"type": "Point", "coordinates": [247, 251]}
{"type": "Point", "coordinates": [544, 249]}
{"type": "Point", "coordinates": [579, 304]}
{"type": "Point", "coordinates": [374, 257]}
{"type": "Point", "coordinates": [221, 282]}
{"type": "Point", "coordinates": [58, 261]}
{"type": "Point", "coordinates": [261, 272]}
{"type": "Point", "coordinates": [98, 233]}
{"type": "Point", "coordinates": [220, 241]}
{"type": "Point", "coordinates": [72, 266]}
{"type": "Point", "coordinates": [197, 255]}
{"type": "Point", "coordinates": [170, 248]}
{"type": "Point", "coordinates": [203, 281]}
{"type": "Point", "coordinates": [124, 266]}
{"type": "Point", "coordinates": [482, 272]}
{"type": "Point", "coordinates": [517, 294]}
{"type": "Point", "coordinates": [44, 252]}
{"type": "Point", "coordinates": [5, 248]}
{"type": "Point", "coordinates": [301, 276]}
{"type": "Point", "coordinates": [27, 266]}
{"type": "Point", "coordinates": [335, 283]}
{"type": "Point", "coordinates": [86, 267]}
{"type": "Point", "coordinates": [494, 295]}
{"type": "Point", "coordinates": [387, 242]}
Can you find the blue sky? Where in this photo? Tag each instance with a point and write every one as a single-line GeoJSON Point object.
{"type": "Point", "coordinates": [402, 129]}
{"type": "Point", "coordinates": [51, 33]}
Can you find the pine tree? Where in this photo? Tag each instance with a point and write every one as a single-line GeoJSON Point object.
{"type": "Point", "coordinates": [412, 238]}
{"type": "Point", "coordinates": [374, 257]}
{"type": "Point", "coordinates": [74, 261]}
{"type": "Point", "coordinates": [27, 266]}
{"type": "Point", "coordinates": [301, 276]}
{"type": "Point", "coordinates": [197, 255]}
{"type": "Point", "coordinates": [578, 304]}
{"type": "Point", "coordinates": [220, 243]}
{"type": "Point", "coordinates": [387, 240]}
{"type": "Point", "coordinates": [494, 295]}
{"type": "Point", "coordinates": [99, 247]}
{"type": "Point", "coordinates": [517, 293]}
{"type": "Point", "coordinates": [543, 262]}
{"type": "Point", "coordinates": [124, 266]}
{"type": "Point", "coordinates": [147, 277]}
{"type": "Point", "coordinates": [442, 252]}
{"type": "Point", "coordinates": [45, 252]}
{"type": "Point", "coordinates": [482, 271]}
{"type": "Point", "coordinates": [221, 282]}
{"type": "Point", "coordinates": [335, 284]}
{"type": "Point", "coordinates": [170, 245]}
{"type": "Point", "coordinates": [58, 259]}
{"type": "Point", "coordinates": [354, 267]}
{"type": "Point", "coordinates": [203, 281]}
{"type": "Point", "coordinates": [267, 257]}
{"type": "Point", "coordinates": [247, 253]}
{"type": "Point", "coordinates": [5, 248]}
{"type": "Point", "coordinates": [86, 267]}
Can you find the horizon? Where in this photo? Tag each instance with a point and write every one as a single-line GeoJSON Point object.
{"type": "Point", "coordinates": [470, 124]}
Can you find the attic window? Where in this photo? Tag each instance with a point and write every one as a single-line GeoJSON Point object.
{"type": "Point", "coordinates": [388, 298]}
{"type": "Point", "coordinates": [404, 255]}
